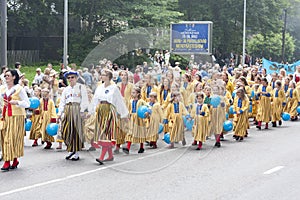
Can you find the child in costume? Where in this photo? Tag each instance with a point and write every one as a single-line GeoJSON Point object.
{"type": "Point", "coordinates": [35, 132]}
{"type": "Point", "coordinates": [277, 102]}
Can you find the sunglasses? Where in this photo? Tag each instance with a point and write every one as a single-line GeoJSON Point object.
{"type": "Point", "coordinates": [6, 76]}
{"type": "Point", "coordinates": [71, 77]}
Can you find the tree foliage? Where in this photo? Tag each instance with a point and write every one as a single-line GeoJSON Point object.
{"type": "Point", "coordinates": [270, 46]}
{"type": "Point", "coordinates": [93, 21]}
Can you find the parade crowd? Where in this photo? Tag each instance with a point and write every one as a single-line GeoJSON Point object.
{"type": "Point", "coordinates": [98, 107]}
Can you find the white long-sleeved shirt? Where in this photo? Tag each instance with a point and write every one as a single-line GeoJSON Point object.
{"type": "Point", "coordinates": [112, 95]}
{"type": "Point", "coordinates": [24, 103]}
{"type": "Point", "coordinates": [76, 94]}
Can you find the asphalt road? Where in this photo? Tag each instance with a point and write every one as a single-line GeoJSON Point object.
{"type": "Point", "coordinates": [263, 166]}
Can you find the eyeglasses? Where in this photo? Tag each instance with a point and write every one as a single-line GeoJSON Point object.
{"type": "Point", "coordinates": [71, 77]}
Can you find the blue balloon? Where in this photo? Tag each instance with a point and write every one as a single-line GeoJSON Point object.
{"type": "Point", "coordinates": [227, 116]}
{"type": "Point", "coordinates": [189, 124]}
{"type": "Point", "coordinates": [34, 102]}
{"type": "Point", "coordinates": [298, 109]}
{"type": "Point", "coordinates": [141, 112]}
{"type": "Point", "coordinates": [167, 138]}
{"type": "Point", "coordinates": [285, 116]}
{"type": "Point", "coordinates": [231, 111]}
{"type": "Point", "coordinates": [161, 128]}
{"type": "Point", "coordinates": [250, 108]}
{"type": "Point", "coordinates": [28, 125]}
{"type": "Point", "coordinates": [252, 94]}
{"type": "Point", "coordinates": [215, 101]}
{"type": "Point", "coordinates": [233, 94]}
{"type": "Point", "coordinates": [52, 129]}
{"type": "Point", "coordinates": [56, 110]}
{"type": "Point", "coordinates": [227, 126]}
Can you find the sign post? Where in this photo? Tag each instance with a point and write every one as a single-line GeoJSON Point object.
{"type": "Point", "coordinates": [192, 37]}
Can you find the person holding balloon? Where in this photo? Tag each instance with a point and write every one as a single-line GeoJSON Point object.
{"type": "Point", "coordinates": [200, 114]}
{"type": "Point", "coordinates": [241, 106]}
{"type": "Point", "coordinates": [174, 118]}
{"type": "Point", "coordinates": [13, 117]}
{"type": "Point", "coordinates": [35, 131]}
{"type": "Point", "coordinates": [292, 101]}
{"type": "Point", "coordinates": [155, 118]}
{"type": "Point", "coordinates": [48, 115]}
{"type": "Point", "coordinates": [264, 109]}
{"type": "Point", "coordinates": [148, 88]}
{"type": "Point", "coordinates": [73, 104]}
{"type": "Point", "coordinates": [109, 108]}
{"type": "Point", "coordinates": [218, 109]}
{"type": "Point", "coordinates": [278, 99]}
{"type": "Point", "coordinates": [137, 127]}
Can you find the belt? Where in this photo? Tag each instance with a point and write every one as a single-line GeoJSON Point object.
{"type": "Point", "coordinates": [104, 102]}
{"type": "Point", "coordinates": [73, 103]}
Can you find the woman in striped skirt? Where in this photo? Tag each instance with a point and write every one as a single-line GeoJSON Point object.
{"type": "Point", "coordinates": [110, 108]}
{"type": "Point", "coordinates": [13, 132]}
{"type": "Point", "coordinates": [73, 103]}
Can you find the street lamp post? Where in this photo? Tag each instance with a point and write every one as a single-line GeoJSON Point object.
{"type": "Point", "coordinates": [244, 33]}
{"type": "Point", "coordinates": [65, 58]}
{"type": "Point", "coordinates": [283, 36]}
{"type": "Point", "coordinates": [3, 32]}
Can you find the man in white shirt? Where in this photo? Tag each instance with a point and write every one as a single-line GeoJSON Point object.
{"type": "Point", "coordinates": [38, 78]}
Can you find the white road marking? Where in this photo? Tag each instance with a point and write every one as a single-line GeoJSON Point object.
{"type": "Point", "coordinates": [80, 174]}
{"type": "Point", "coordinates": [275, 169]}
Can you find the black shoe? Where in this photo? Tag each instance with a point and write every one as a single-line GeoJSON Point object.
{"type": "Point", "coordinates": [198, 149]}
{"type": "Point", "coordinates": [92, 149]}
{"type": "Point", "coordinates": [218, 144]}
{"type": "Point", "coordinates": [5, 169]}
{"type": "Point", "coordinates": [70, 155]}
{"type": "Point", "coordinates": [241, 138]}
{"type": "Point", "coordinates": [246, 135]}
{"type": "Point", "coordinates": [234, 136]}
{"type": "Point", "coordinates": [75, 159]}
{"type": "Point", "coordinates": [141, 150]}
{"type": "Point", "coordinates": [237, 138]}
{"type": "Point", "coordinates": [280, 123]}
{"type": "Point", "coordinates": [259, 127]}
{"type": "Point", "coordinates": [125, 150]}
{"type": "Point", "coordinates": [99, 161]}
{"type": "Point", "coordinates": [274, 124]}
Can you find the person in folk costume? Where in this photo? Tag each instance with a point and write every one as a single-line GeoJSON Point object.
{"type": "Point", "coordinates": [278, 98]}
{"type": "Point", "coordinates": [35, 132]}
{"type": "Point", "coordinates": [200, 114]}
{"type": "Point", "coordinates": [296, 75]}
{"type": "Point", "coordinates": [192, 96]}
{"type": "Point", "coordinates": [164, 94]}
{"type": "Point", "coordinates": [73, 103]}
{"type": "Point", "coordinates": [218, 115]}
{"type": "Point", "coordinates": [229, 85]}
{"type": "Point", "coordinates": [273, 80]}
{"type": "Point", "coordinates": [240, 107]}
{"type": "Point", "coordinates": [109, 107]}
{"type": "Point", "coordinates": [126, 89]}
{"type": "Point", "coordinates": [89, 123]}
{"type": "Point", "coordinates": [264, 107]}
{"type": "Point", "coordinates": [164, 97]}
{"type": "Point", "coordinates": [174, 118]}
{"type": "Point", "coordinates": [137, 127]}
{"type": "Point", "coordinates": [59, 136]}
{"type": "Point", "coordinates": [292, 101]}
{"type": "Point", "coordinates": [48, 115]}
{"type": "Point", "coordinates": [148, 88]}
{"type": "Point", "coordinates": [227, 98]}
{"type": "Point", "coordinates": [188, 88]}
{"type": "Point", "coordinates": [155, 118]}
{"type": "Point", "coordinates": [15, 100]}
{"type": "Point", "coordinates": [246, 86]}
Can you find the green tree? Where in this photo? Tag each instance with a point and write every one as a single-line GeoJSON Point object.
{"type": "Point", "coordinates": [270, 46]}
